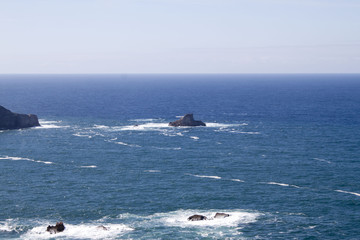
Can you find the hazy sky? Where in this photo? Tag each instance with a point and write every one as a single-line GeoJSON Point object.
{"type": "Point", "coordinates": [179, 36]}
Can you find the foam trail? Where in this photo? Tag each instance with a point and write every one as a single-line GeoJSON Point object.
{"type": "Point", "coordinates": [168, 148]}
{"type": "Point", "coordinates": [241, 132]}
{"type": "Point", "coordinates": [282, 184]}
{"type": "Point", "coordinates": [322, 160]}
{"type": "Point", "coordinates": [237, 180]}
{"type": "Point", "coordinates": [145, 120]}
{"type": "Point", "coordinates": [127, 144]}
{"type": "Point", "coordinates": [24, 159]}
{"type": "Point", "coordinates": [50, 124]}
{"type": "Point", "coordinates": [205, 176]}
{"type": "Point", "coordinates": [224, 125]}
{"type": "Point", "coordinates": [353, 193]}
{"type": "Point", "coordinates": [90, 166]}
{"type": "Point", "coordinates": [144, 127]}
{"type": "Point", "coordinates": [152, 171]}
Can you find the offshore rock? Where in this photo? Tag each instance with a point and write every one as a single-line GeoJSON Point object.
{"type": "Point", "coordinates": [197, 218]}
{"type": "Point", "coordinates": [187, 121]}
{"type": "Point", "coordinates": [10, 120]}
{"type": "Point", "coordinates": [59, 227]}
{"type": "Point", "coordinates": [221, 215]}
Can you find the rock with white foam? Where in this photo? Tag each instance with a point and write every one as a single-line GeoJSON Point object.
{"type": "Point", "coordinates": [59, 227]}
{"type": "Point", "coordinates": [187, 121]}
{"type": "Point", "coordinates": [197, 217]}
{"type": "Point", "coordinates": [221, 215]}
{"type": "Point", "coordinates": [10, 120]}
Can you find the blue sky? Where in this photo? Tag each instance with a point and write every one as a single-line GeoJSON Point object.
{"type": "Point", "coordinates": [180, 36]}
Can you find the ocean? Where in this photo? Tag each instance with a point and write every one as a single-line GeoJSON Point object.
{"type": "Point", "coordinates": [280, 154]}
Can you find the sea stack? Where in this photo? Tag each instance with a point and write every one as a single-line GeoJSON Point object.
{"type": "Point", "coordinates": [187, 121]}
{"type": "Point", "coordinates": [10, 120]}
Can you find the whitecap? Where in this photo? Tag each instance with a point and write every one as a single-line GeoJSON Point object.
{"type": "Point", "coordinates": [152, 171]}
{"type": "Point", "coordinates": [237, 180]}
{"type": "Point", "coordinates": [353, 193]}
{"type": "Point", "coordinates": [169, 148]}
{"type": "Point", "coordinates": [242, 132]}
{"type": "Point", "coordinates": [145, 120]}
{"type": "Point", "coordinates": [81, 231]}
{"type": "Point", "coordinates": [282, 184]}
{"type": "Point", "coordinates": [101, 126]}
{"type": "Point", "coordinates": [24, 159]}
{"type": "Point", "coordinates": [204, 176]}
{"type": "Point", "coordinates": [127, 144]}
{"type": "Point", "coordinates": [322, 160]}
{"type": "Point", "coordinates": [82, 135]}
{"type": "Point", "coordinates": [194, 137]}
{"type": "Point", "coordinates": [90, 166]}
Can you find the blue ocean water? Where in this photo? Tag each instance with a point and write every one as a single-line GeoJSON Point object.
{"type": "Point", "coordinates": [280, 154]}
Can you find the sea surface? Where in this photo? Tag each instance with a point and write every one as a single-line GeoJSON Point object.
{"type": "Point", "coordinates": [280, 154]}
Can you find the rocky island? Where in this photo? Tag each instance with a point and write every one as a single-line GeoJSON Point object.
{"type": "Point", "coordinates": [187, 121]}
{"type": "Point", "coordinates": [10, 120]}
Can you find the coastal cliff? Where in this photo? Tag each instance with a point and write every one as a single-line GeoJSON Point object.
{"type": "Point", "coordinates": [10, 120]}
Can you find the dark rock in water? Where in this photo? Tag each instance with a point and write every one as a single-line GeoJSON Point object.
{"type": "Point", "coordinates": [187, 120]}
{"type": "Point", "coordinates": [102, 227]}
{"type": "Point", "coordinates": [221, 215]}
{"type": "Point", "coordinates": [10, 120]}
{"type": "Point", "coordinates": [59, 227]}
{"type": "Point", "coordinates": [197, 218]}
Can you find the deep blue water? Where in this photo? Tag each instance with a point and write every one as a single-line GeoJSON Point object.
{"type": "Point", "coordinates": [280, 154]}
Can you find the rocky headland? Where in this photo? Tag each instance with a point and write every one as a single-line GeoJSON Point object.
{"type": "Point", "coordinates": [10, 120]}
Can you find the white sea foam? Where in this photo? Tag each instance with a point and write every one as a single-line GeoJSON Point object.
{"type": "Point", "coordinates": [44, 124]}
{"type": "Point", "coordinates": [180, 218]}
{"type": "Point", "coordinates": [204, 176]}
{"type": "Point", "coordinates": [282, 184]}
{"type": "Point", "coordinates": [145, 120]}
{"type": "Point", "coordinates": [322, 160]}
{"type": "Point", "coordinates": [195, 137]}
{"type": "Point", "coordinates": [224, 125]}
{"type": "Point", "coordinates": [152, 171]}
{"type": "Point", "coordinates": [81, 231]}
{"type": "Point", "coordinates": [237, 180]}
{"type": "Point", "coordinates": [127, 144]}
{"type": "Point", "coordinates": [101, 126]}
{"type": "Point", "coordinates": [169, 148]}
{"type": "Point", "coordinates": [242, 132]}
{"type": "Point", "coordinates": [353, 193]}
{"type": "Point", "coordinates": [6, 226]}
{"type": "Point", "coordinates": [145, 127]}
{"type": "Point", "coordinates": [82, 135]}
{"type": "Point", "coordinates": [90, 166]}
{"type": "Point", "coordinates": [24, 159]}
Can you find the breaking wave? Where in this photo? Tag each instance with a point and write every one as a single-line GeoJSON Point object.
{"type": "Point", "coordinates": [44, 124]}
{"type": "Point", "coordinates": [282, 184]}
{"type": "Point", "coordinates": [24, 159]}
{"type": "Point", "coordinates": [353, 193]}
{"type": "Point", "coordinates": [204, 176]}
{"type": "Point", "coordinates": [81, 231]}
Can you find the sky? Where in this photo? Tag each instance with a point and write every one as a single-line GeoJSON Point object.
{"type": "Point", "coordinates": [179, 36]}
